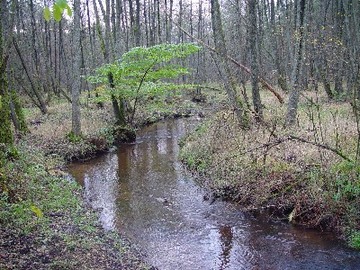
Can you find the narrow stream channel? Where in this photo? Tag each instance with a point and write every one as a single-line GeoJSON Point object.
{"type": "Point", "coordinates": [142, 190]}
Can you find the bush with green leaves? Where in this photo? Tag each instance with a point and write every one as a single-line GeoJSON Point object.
{"type": "Point", "coordinates": [355, 240]}
{"type": "Point", "coordinates": [347, 183]}
{"type": "Point", "coordinates": [143, 73]}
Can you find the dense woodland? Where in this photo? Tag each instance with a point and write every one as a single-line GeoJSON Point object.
{"type": "Point", "coordinates": [287, 45]}
{"type": "Point", "coordinates": [276, 62]}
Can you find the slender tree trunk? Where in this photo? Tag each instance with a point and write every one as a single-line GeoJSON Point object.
{"type": "Point", "coordinates": [180, 22]}
{"type": "Point", "coordinates": [169, 19]}
{"type": "Point", "coordinates": [295, 91]}
{"type": "Point", "coordinates": [252, 4]}
{"type": "Point", "coordinates": [119, 110]}
{"type": "Point", "coordinates": [35, 90]}
{"type": "Point", "coordinates": [75, 91]}
{"type": "Point", "coordinates": [282, 78]}
{"type": "Point", "coordinates": [147, 24]}
{"type": "Point", "coordinates": [118, 106]}
{"type": "Point", "coordinates": [137, 30]}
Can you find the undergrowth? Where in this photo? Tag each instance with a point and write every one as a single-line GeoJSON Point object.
{"type": "Point", "coordinates": [29, 193]}
{"type": "Point", "coordinates": [44, 223]}
{"type": "Point", "coordinates": [298, 174]}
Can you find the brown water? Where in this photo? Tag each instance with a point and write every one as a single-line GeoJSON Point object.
{"type": "Point", "coordinates": [142, 190]}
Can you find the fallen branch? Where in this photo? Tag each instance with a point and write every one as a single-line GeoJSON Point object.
{"type": "Point", "coordinates": [264, 83]}
{"type": "Point", "coordinates": [278, 141]}
{"type": "Point", "coordinates": [323, 146]}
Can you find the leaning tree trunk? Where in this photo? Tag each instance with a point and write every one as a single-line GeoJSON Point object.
{"type": "Point", "coordinates": [220, 47]}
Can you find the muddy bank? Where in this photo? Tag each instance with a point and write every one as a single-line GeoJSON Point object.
{"type": "Point", "coordinates": [50, 133]}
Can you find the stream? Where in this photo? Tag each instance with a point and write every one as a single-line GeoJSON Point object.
{"type": "Point", "coordinates": [142, 190]}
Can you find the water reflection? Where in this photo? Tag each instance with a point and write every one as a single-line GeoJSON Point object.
{"type": "Point", "coordinates": [143, 191]}
{"type": "Point", "coordinates": [226, 238]}
{"type": "Point", "coordinates": [101, 186]}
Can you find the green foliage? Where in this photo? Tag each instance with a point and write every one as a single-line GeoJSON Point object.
{"type": "Point", "coordinates": [143, 72]}
{"type": "Point", "coordinates": [57, 10]}
{"type": "Point", "coordinates": [355, 240]}
{"type": "Point", "coordinates": [196, 158]}
{"type": "Point", "coordinates": [347, 182]}
{"type": "Point", "coordinates": [6, 135]}
{"type": "Point", "coordinates": [72, 137]}
{"type": "Point", "coordinates": [28, 193]}
{"type": "Point", "coordinates": [19, 112]}
{"type": "Point", "coordinates": [37, 211]}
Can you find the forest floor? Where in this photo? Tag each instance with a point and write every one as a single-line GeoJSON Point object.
{"type": "Point", "coordinates": [306, 175]}
{"type": "Point", "coordinates": [45, 223]}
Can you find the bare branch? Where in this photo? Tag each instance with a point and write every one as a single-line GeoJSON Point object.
{"type": "Point", "coordinates": [264, 83]}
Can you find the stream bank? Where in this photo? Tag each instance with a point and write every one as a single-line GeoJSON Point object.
{"type": "Point", "coordinates": [289, 180]}
{"type": "Point", "coordinates": [45, 224]}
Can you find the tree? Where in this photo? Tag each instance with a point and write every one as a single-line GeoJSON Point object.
{"type": "Point", "coordinates": [229, 81]}
{"type": "Point", "coordinates": [253, 43]}
{"type": "Point", "coordinates": [295, 80]}
{"type": "Point", "coordinates": [6, 136]}
{"type": "Point", "coordinates": [141, 72]}
{"type": "Point", "coordinates": [75, 91]}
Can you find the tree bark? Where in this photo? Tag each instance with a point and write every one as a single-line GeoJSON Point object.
{"type": "Point", "coordinates": [75, 91]}
{"type": "Point", "coordinates": [253, 34]}
{"type": "Point", "coordinates": [295, 91]}
{"type": "Point", "coordinates": [6, 136]}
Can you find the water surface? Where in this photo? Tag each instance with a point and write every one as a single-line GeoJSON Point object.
{"type": "Point", "coordinates": [142, 190]}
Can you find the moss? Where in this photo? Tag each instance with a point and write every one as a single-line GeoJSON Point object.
{"type": "Point", "coordinates": [6, 136]}
{"type": "Point", "coordinates": [19, 112]}
{"type": "Point", "coordinates": [355, 240]}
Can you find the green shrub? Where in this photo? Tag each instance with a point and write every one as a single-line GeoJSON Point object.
{"type": "Point", "coordinates": [347, 184]}
{"type": "Point", "coordinates": [73, 137]}
{"type": "Point", "coordinates": [355, 240]}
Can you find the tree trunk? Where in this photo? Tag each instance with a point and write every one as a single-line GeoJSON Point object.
{"type": "Point", "coordinates": [6, 136]}
{"type": "Point", "coordinates": [229, 82]}
{"type": "Point", "coordinates": [295, 87]}
{"type": "Point", "coordinates": [253, 34]}
{"type": "Point", "coordinates": [35, 90]}
{"type": "Point", "coordinates": [119, 110]}
{"type": "Point", "coordinates": [75, 91]}
{"type": "Point", "coordinates": [137, 30]}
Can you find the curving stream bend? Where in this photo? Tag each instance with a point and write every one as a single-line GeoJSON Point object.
{"type": "Point", "coordinates": [142, 190]}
